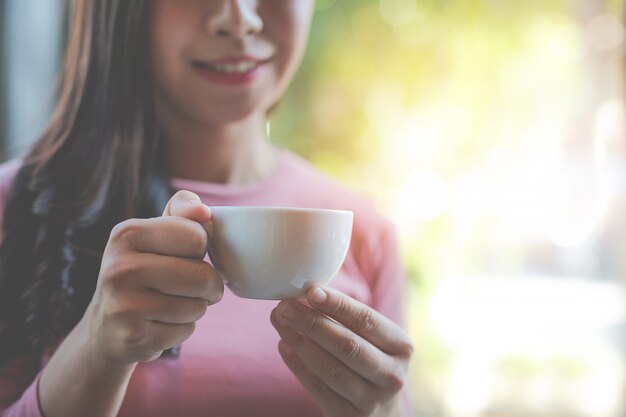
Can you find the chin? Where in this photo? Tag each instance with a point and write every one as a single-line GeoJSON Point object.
{"type": "Point", "coordinates": [224, 113]}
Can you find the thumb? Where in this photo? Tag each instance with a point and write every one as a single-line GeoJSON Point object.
{"type": "Point", "coordinates": [188, 205]}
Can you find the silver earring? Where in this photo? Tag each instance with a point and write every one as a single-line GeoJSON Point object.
{"type": "Point", "coordinates": [268, 128]}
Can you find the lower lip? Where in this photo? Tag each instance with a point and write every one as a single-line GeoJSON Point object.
{"type": "Point", "coordinates": [230, 79]}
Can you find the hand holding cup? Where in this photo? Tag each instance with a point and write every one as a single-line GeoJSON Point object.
{"type": "Point", "coordinates": [153, 284]}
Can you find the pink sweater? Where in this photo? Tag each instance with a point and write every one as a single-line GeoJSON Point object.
{"type": "Point", "coordinates": [230, 366]}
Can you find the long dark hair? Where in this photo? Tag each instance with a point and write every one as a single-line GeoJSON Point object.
{"type": "Point", "coordinates": [99, 161]}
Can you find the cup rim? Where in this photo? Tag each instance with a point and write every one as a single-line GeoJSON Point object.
{"type": "Point", "coordinates": [282, 209]}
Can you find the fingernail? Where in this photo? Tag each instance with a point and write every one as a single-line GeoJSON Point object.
{"type": "Point", "coordinates": [287, 311]}
{"type": "Point", "coordinates": [318, 296]}
{"type": "Point", "coordinates": [189, 198]}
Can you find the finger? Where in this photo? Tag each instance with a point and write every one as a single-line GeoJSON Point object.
{"type": "Point", "coordinates": [172, 309]}
{"type": "Point", "coordinates": [166, 335]}
{"type": "Point", "coordinates": [188, 205]}
{"type": "Point", "coordinates": [350, 348]}
{"type": "Point", "coordinates": [171, 236]}
{"type": "Point", "coordinates": [362, 319]}
{"type": "Point", "coordinates": [168, 275]}
{"type": "Point", "coordinates": [345, 382]}
{"type": "Point", "coordinates": [331, 403]}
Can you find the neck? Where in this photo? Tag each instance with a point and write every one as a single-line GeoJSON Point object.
{"type": "Point", "coordinates": [237, 153]}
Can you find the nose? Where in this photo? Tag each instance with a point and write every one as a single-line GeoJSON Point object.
{"type": "Point", "coordinates": [234, 18]}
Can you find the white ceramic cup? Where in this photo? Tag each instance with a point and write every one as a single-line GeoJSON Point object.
{"type": "Point", "coordinates": [277, 253]}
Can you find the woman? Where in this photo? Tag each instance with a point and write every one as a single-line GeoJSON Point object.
{"type": "Point", "coordinates": [101, 275]}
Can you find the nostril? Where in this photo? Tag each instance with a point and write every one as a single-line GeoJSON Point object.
{"type": "Point", "coordinates": [222, 32]}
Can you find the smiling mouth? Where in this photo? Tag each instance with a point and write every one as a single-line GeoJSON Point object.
{"type": "Point", "coordinates": [239, 67]}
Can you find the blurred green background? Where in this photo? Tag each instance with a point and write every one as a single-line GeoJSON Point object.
{"type": "Point", "coordinates": [492, 133]}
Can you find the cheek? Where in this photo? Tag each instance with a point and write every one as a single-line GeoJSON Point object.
{"type": "Point", "coordinates": [288, 24]}
{"type": "Point", "coordinates": [170, 30]}
{"type": "Point", "coordinates": [290, 35]}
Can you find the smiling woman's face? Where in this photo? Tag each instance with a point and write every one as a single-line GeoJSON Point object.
{"type": "Point", "coordinates": [218, 61]}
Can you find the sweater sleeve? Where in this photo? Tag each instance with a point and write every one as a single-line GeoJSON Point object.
{"type": "Point", "coordinates": [18, 377]}
{"type": "Point", "coordinates": [18, 388]}
{"type": "Point", "coordinates": [389, 278]}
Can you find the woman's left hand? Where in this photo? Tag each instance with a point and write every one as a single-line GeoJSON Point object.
{"type": "Point", "coordinates": [352, 359]}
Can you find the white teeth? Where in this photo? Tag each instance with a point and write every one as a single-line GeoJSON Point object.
{"type": "Point", "coordinates": [238, 68]}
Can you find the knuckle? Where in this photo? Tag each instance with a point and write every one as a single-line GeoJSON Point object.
{"type": "Point", "coordinates": [364, 394]}
{"type": "Point", "coordinates": [198, 241]}
{"type": "Point", "coordinates": [366, 321]}
{"type": "Point", "coordinates": [333, 372]}
{"type": "Point", "coordinates": [214, 286]}
{"type": "Point", "coordinates": [121, 309]}
{"type": "Point", "coordinates": [126, 231]}
{"type": "Point", "coordinates": [394, 379]}
{"type": "Point", "coordinates": [351, 348]}
{"type": "Point", "coordinates": [218, 292]}
{"type": "Point", "coordinates": [198, 307]}
{"type": "Point", "coordinates": [314, 325]}
{"type": "Point", "coordinates": [318, 386]}
{"type": "Point", "coordinates": [119, 270]}
{"type": "Point", "coordinates": [186, 332]}
{"type": "Point", "coordinates": [160, 340]}
{"type": "Point", "coordinates": [343, 307]}
{"type": "Point", "coordinates": [174, 336]}
{"type": "Point", "coordinates": [135, 336]}
{"type": "Point", "coordinates": [298, 367]}
{"type": "Point", "coordinates": [406, 349]}
{"type": "Point", "coordinates": [201, 272]}
{"type": "Point", "coordinates": [298, 340]}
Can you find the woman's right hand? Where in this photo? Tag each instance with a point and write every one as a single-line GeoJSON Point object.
{"type": "Point", "coordinates": [153, 284]}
